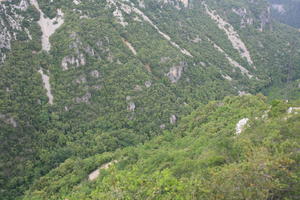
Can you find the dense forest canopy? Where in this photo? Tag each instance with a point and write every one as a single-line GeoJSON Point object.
{"type": "Point", "coordinates": [160, 99]}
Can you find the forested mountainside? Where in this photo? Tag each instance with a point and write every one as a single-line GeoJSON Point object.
{"type": "Point", "coordinates": [238, 148]}
{"type": "Point", "coordinates": [286, 11]}
{"type": "Point", "coordinates": [81, 78]}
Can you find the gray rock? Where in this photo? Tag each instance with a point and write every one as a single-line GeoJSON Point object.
{"type": "Point", "coordinates": [265, 19]}
{"type": "Point", "coordinates": [131, 107]}
{"type": "Point", "coordinates": [83, 99]}
{"type": "Point", "coordinates": [138, 88]}
{"type": "Point", "coordinates": [73, 61]}
{"type": "Point", "coordinates": [175, 72]}
{"type": "Point", "coordinates": [148, 84]}
{"type": "Point", "coordinates": [95, 74]}
{"type": "Point", "coordinates": [173, 119]}
{"type": "Point", "coordinates": [162, 126]}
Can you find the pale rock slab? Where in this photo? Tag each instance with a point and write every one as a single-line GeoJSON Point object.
{"type": "Point", "coordinates": [47, 86]}
{"type": "Point", "coordinates": [173, 119]}
{"type": "Point", "coordinates": [231, 61]}
{"type": "Point", "coordinates": [93, 175]}
{"type": "Point", "coordinates": [227, 77]}
{"type": "Point", "coordinates": [76, 61]}
{"type": "Point", "coordinates": [148, 84]}
{"type": "Point", "coordinates": [84, 99]}
{"type": "Point", "coordinates": [48, 26]}
{"type": "Point", "coordinates": [95, 73]}
{"type": "Point", "coordinates": [232, 35]}
{"type": "Point", "coordinates": [240, 126]}
{"type": "Point", "coordinates": [130, 47]}
{"type": "Point", "coordinates": [76, 2]}
{"type": "Point", "coordinates": [117, 13]}
{"type": "Point", "coordinates": [175, 72]}
{"type": "Point", "coordinates": [292, 110]}
{"type": "Point", "coordinates": [131, 107]}
{"type": "Point", "coordinates": [185, 3]}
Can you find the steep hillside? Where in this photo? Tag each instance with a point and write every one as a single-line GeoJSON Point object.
{"type": "Point", "coordinates": [238, 148]}
{"type": "Point", "coordinates": [286, 11]}
{"type": "Point", "coordinates": [79, 78]}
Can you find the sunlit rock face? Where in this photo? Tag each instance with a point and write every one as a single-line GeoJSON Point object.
{"type": "Point", "coordinates": [240, 126]}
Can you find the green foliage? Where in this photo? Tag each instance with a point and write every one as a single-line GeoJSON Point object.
{"type": "Point", "coordinates": [200, 159]}
{"type": "Point", "coordinates": [51, 140]}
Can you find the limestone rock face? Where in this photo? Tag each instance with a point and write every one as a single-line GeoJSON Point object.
{"type": "Point", "coordinates": [265, 18]}
{"type": "Point", "coordinates": [173, 119]}
{"type": "Point", "coordinates": [178, 4]}
{"type": "Point", "coordinates": [95, 74]}
{"type": "Point", "coordinates": [84, 99]}
{"type": "Point", "coordinates": [72, 61]}
{"type": "Point", "coordinates": [293, 110]}
{"type": "Point", "coordinates": [175, 72]}
{"type": "Point", "coordinates": [48, 26]}
{"type": "Point", "coordinates": [240, 126]}
{"type": "Point", "coordinates": [148, 84]}
{"type": "Point", "coordinates": [47, 86]}
{"type": "Point", "coordinates": [245, 18]}
{"type": "Point", "coordinates": [131, 107]}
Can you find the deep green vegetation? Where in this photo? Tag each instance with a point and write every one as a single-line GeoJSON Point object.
{"type": "Point", "coordinates": [92, 121]}
{"type": "Point", "coordinates": [202, 158]}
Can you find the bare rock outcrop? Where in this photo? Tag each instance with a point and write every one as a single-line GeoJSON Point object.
{"type": "Point", "coordinates": [84, 99]}
{"type": "Point", "coordinates": [175, 72]}
{"type": "Point", "coordinates": [47, 86]}
{"type": "Point", "coordinates": [240, 126]}
{"type": "Point", "coordinates": [173, 119]}
{"type": "Point", "coordinates": [265, 19]}
{"type": "Point", "coordinates": [76, 61]}
{"type": "Point", "coordinates": [131, 107]}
